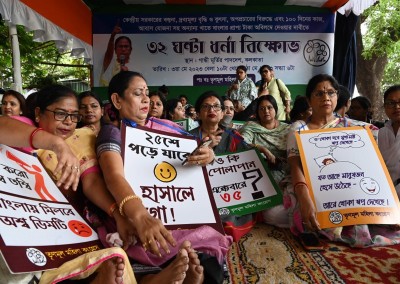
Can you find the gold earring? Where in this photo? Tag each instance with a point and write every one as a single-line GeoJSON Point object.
{"type": "Point", "coordinates": [37, 119]}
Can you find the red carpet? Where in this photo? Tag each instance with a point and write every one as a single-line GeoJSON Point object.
{"type": "Point", "coordinates": [272, 255]}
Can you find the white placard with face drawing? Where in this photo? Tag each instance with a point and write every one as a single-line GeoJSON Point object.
{"type": "Point", "coordinates": [174, 193]}
{"type": "Point", "coordinates": [349, 180]}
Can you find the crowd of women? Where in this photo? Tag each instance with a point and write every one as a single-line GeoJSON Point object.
{"type": "Point", "coordinates": [86, 139]}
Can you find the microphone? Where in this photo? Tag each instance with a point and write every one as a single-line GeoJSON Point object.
{"type": "Point", "coordinates": [122, 60]}
{"type": "Point", "coordinates": [225, 122]}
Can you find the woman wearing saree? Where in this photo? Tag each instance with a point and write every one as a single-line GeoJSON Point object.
{"type": "Point", "coordinates": [269, 136]}
{"type": "Point", "coordinates": [322, 91]}
{"type": "Point", "coordinates": [128, 93]}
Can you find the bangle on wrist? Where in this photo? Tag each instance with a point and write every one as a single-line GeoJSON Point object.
{"type": "Point", "coordinates": [112, 208]}
{"type": "Point", "coordinates": [299, 184]}
{"type": "Point", "coordinates": [125, 200]}
{"type": "Point", "coordinates": [33, 135]}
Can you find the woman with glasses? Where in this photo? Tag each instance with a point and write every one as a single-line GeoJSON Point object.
{"type": "Point", "coordinates": [269, 85]}
{"type": "Point", "coordinates": [129, 93]}
{"type": "Point", "coordinates": [92, 111]}
{"type": "Point", "coordinates": [18, 134]}
{"type": "Point", "coordinates": [210, 109]}
{"type": "Point", "coordinates": [322, 93]}
{"type": "Point", "coordinates": [57, 112]}
{"type": "Point", "coordinates": [388, 138]}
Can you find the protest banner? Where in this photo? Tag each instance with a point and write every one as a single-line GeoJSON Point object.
{"type": "Point", "coordinates": [242, 184]}
{"type": "Point", "coordinates": [180, 196]}
{"type": "Point", "coordinates": [348, 180]}
{"type": "Point", "coordinates": [203, 48]}
{"type": "Point", "coordinates": [39, 229]}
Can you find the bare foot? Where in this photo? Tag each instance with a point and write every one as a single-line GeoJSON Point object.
{"type": "Point", "coordinates": [194, 274]}
{"type": "Point", "coordinates": [111, 271]}
{"type": "Point", "coordinates": [174, 273]}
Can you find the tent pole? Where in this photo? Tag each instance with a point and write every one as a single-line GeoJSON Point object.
{"type": "Point", "coordinates": [16, 58]}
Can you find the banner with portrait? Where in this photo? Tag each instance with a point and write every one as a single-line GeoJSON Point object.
{"type": "Point", "coordinates": [39, 229]}
{"type": "Point", "coordinates": [203, 48]}
{"type": "Point", "coordinates": [242, 184]}
{"type": "Point", "coordinates": [179, 195]}
{"type": "Point", "coordinates": [348, 180]}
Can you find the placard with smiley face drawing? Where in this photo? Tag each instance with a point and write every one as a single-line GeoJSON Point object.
{"type": "Point", "coordinates": [179, 195]}
{"type": "Point", "coordinates": [348, 178]}
{"type": "Point", "coordinates": [39, 228]}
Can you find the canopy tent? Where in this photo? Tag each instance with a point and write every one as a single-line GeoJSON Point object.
{"type": "Point", "coordinates": [69, 23]}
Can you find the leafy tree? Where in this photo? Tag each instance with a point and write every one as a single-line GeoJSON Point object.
{"type": "Point", "coordinates": [41, 63]}
{"type": "Point", "coordinates": [378, 51]}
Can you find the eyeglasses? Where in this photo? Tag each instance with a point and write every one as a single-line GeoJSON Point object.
{"type": "Point", "coordinates": [391, 104]}
{"type": "Point", "coordinates": [141, 91]}
{"type": "Point", "coordinates": [229, 108]}
{"type": "Point", "coordinates": [330, 93]}
{"type": "Point", "coordinates": [62, 116]}
{"type": "Point", "coordinates": [269, 108]}
{"type": "Point", "coordinates": [209, 107]}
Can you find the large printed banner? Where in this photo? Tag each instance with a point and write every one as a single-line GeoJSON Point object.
{"type": "Point", "coordinates": [200, 48]}
{"type": "Point", "coordinates": [178, 195]}
{"type": "Point", "coordinates": [349, 180]}
{"type": "Point", "coordinates": [39, 229]}
{"type": "Point", "coordinates": [242, 184]}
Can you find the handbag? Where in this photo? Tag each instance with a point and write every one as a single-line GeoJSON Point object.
{"type": "Point", "coordinates": [283, 97]}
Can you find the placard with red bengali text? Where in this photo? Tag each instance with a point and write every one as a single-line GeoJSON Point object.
{"type": "Point", "coordinates": [39, 229]}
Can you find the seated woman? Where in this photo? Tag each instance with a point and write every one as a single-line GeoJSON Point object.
{"type": "Point", "coordinates": [175, 110]}
{"type": "Point", "coordinates": [18, 134]}
{"type": "Point", "coordinates": [388, 140]}
{"type": "Point", "coordinates": [92, 111]}
{"type": "Point", "coordinates": [57, 112]}
{"type": "Point", "coordinates": [13, 103]}
{"type": "Point", "coordinates": [321, 92]}
{"type": "Point", "coordinates": [128, 93]}
{"type": "Point", "coordinates": [269, 136]}
{"type": "Point", "coordinates": [210, 108]}
{"type": "Point", "coordinates": [157, 105]}
{"type": "Point", "coordinates": [301, 109]}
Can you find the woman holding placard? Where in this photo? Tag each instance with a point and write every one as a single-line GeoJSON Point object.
{"type": "Point", "coordinates": [322, 94]}
{"type": "Point", "coordinates": [128, 93]}
{"type": "Point", "coordinates": [269, 135]}
{"type": "Point", "coordinates": [216, 125]}
{"type": "Point", "coordinates": [66, 168]}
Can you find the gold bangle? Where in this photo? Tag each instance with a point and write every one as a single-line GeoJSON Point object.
{"type": "Point", "coordinates": [125, 200]}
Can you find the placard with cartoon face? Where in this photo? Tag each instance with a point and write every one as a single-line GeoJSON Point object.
{"type": "Point", "coordinates": [348, 178]}
{"type": "Point", "coordinates": [39, 229]}
{"type": "Point", "coordinates": [179, 195]}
